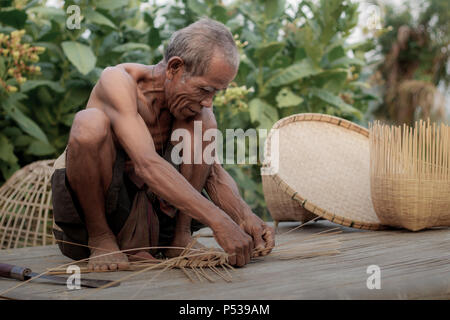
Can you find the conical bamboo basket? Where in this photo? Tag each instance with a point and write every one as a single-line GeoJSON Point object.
{"type": "Point", "coordinates": [26, 208]}
{"type": "Point", "coordinates": [410, 174]}
{"type": "Point", "coordinates": [318, 165]}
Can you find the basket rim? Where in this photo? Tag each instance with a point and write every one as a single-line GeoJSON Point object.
{"type": "Point", "coordinates": [288, 190]}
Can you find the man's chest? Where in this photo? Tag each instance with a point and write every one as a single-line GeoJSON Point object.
{"type": "Point", "coordinates": [157, 119]}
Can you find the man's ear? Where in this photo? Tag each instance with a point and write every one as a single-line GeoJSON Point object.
{"type": "Point", "coordinates": [174, 65]}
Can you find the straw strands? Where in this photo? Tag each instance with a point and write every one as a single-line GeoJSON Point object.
{"type": "Point", "coordinates": [410, 174]}
{"type": "Point", "coordinates": [197, 260]}
{"type": "Point", "coordinates": [25, 207]}
{"type": "Point", "coordinates": [209, 264]}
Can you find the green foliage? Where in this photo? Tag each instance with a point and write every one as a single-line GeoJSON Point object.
{"type": "Point", "coordinates": [293, 59]}
{"type": "Point", "coordinates": [296, 62]}
{"type": "Point", "coordinates": [429, 49]}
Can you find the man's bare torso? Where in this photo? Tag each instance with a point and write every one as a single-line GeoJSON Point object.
{"type": "Point", "coordinates": [150, 104]}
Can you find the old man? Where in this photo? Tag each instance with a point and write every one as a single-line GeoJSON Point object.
{"type": "Point", "coordinates": [115, 187]}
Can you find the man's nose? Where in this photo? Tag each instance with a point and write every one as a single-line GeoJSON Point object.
{"type": "Point", "coordinates": [207, 102]}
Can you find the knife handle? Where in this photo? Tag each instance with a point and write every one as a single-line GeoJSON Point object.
{"type": "Point", "coordinates": [14, 272]}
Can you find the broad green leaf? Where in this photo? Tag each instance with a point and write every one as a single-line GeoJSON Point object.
{"type": "Point", "coordinates": [154, 39]}
{"type": "Point", "coordinates": [332, 80]}
{"type": "Point", "coordinates": [335, 101]}
{"type": "Point", "coordinates": [97, 18]}
{"type": "Point", "coordinates": [50, 13]}
{"type": "Point", "coordinates": [13, 17]}
{"type": "Point", "coordinates": [111, 4]}
{"type": "Point", "coordinates": [76, 96]}
{"type": "Point", "coordinates": [80, 55]}
{"type": "Point", "coordinates": [197, 7]}
{"type": "Point", "coordinates": [25, 123]}
{"type": "Point", "coordinates": [7, 150]}
{"type": "Point", "coordinates": [262, 112]}
{"type": "Point", "coordinates": [268, 50]}
{"type": "Point", "coordinates": [5, 3]}
{"type": "Point", "coordinates": [39, 148]}
{"type": "Point", "coordinates": [292, 73]}
{"type": "Point", "coordinates": [32, 84]}
{"type": "Point", "coordinates": [23, 140]}
{"type": "Point", "coordinates": [274, 8]}
{"type": "Point", "coordinates": [51, 47]}
{"type": "Point", "coordinates": [286, 98]}
{"type": "Point", "coordinates": [346, 61]}
{"type": "Point", "coordinates": [361, 84]}
{"type": "Point", "coordinates": [130, 46]}
{"type": "Point", "coordinates": [307, 38]}
{"type": "Point", "coordinates": [8, 169]}
{"type": "Point", "coordinates": [252, 38]}
{"type": "Point", "coordinates": [219, 12]}
{"type": "Point", "coordinates": [336, 53]}
{"type": "Point", "coordinates": [11, 132]}
{"type": "Point", "coordinates": [148, 19]}
{"type": "Point", "coordinates": [68, 119]}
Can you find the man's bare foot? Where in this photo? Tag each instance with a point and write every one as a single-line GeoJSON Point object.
{"type": "Point", "coordinates": [141, 256]}
{"type": "Point", "coordinates": [182, 240]}
{"type": "Point", "coordinates": [102, 245]}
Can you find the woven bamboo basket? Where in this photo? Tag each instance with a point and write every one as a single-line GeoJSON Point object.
{"type": "Point", "coordinates": [410, 174]}
{"type": "Point", "coordinates": [26, 208]}
{"type": "Point", "coordinates": [318, 165]}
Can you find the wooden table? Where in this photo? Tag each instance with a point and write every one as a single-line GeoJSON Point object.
{"type": "Point", "coordinates": [412, 266]}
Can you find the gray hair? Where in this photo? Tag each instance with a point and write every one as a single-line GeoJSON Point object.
{"type": "Point", "coordinates": [197, 43]}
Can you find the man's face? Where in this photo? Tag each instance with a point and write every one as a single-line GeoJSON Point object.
{"type": "Point", "coordinates": [186, 95]}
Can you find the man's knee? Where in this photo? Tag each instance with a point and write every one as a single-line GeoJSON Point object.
{"type": "Point", "coordinates": [90, 129]}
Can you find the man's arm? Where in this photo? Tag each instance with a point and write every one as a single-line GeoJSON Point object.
{"type": "Point", "coordinates": [118, 92]}
{"type": "Point", "coordinates": [224, 192]}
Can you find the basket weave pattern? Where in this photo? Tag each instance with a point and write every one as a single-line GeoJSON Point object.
{"type": "Point", "coordinates": [25, 207]}
{"type": "Point", "coordinates": [323, 168]}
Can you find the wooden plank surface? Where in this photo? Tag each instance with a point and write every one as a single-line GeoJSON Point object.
{"type": "Point", "coordinates": [413, 266]}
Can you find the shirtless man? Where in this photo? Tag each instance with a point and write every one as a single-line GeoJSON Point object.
{"type": "Point", "coordinates": [136, 107]}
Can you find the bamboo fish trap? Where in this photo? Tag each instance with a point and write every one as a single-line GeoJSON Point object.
{"type": "Point", "coordinates": [25, 207]}
{"type": "Point", "coordinates": [410, 174]}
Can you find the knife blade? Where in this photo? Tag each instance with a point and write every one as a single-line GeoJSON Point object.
{"type": "Point", "coordinates": [24, 274]}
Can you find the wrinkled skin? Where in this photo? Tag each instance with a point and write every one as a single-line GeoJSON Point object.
{"type": "Point", "coordinates": [137, 107]}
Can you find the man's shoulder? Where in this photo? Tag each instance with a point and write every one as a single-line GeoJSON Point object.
{"type": "Point", "coordinates": [136, 70]}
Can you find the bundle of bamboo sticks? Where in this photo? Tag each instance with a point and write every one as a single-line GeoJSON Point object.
{"type": "Point", "coordinates": [410, 174]}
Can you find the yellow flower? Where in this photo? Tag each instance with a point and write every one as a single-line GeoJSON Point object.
{"type": "Point", "coordinates": [17, 34]}
{"type": "Point", "coordinates": [11, 89]}
{"type": "Point", "coordinates": [21, 80]}
{"type": "Point", "coordinates": [40, 49]}
{"type": "Point", "coordinates": [34, 58]}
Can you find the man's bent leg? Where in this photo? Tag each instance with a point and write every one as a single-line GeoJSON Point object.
{"type": "Point", "coordinates": [89, 165]}
{"type": "Point", "coordinates": [196, 174]}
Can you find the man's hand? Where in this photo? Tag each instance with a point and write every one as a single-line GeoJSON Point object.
{"type": "Point", "coordinates": [235, 242]}
{"type": "Point", "coordinates": [263, 235]}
